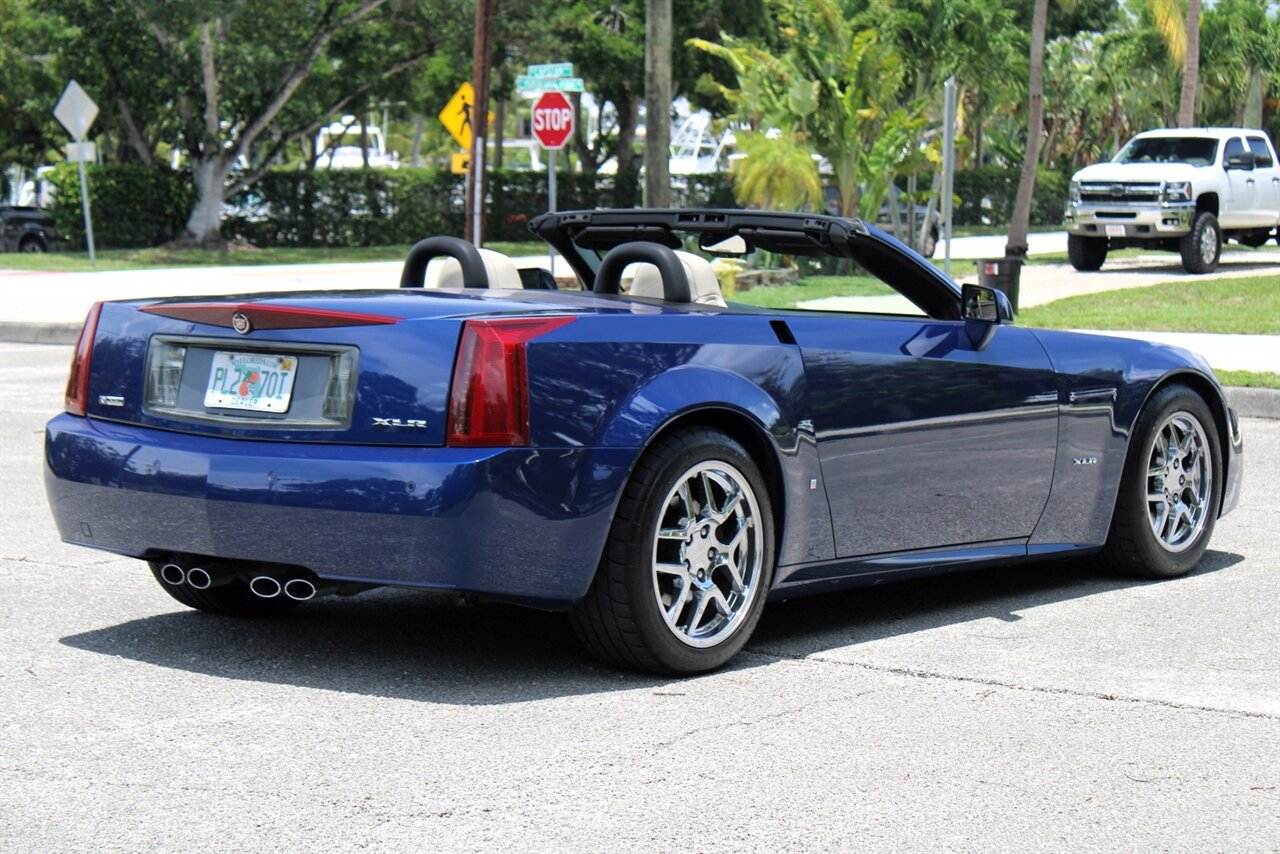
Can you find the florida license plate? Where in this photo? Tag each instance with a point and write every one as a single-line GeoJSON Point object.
{"type": "Point", "coordinates": [1115, 231]}
{"type": "Point", "coordinates": [260, 382]}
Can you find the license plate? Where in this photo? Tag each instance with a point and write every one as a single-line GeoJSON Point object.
{"type": "Point", "coordinates": [260, 382]}
{"type": "Point", "coordinates": [1115, 231]}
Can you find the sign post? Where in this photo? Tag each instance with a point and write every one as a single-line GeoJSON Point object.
{"type": "Point", "coordinates": [76, 110]}
{"type": "Point", "coordinates": [553, 120]}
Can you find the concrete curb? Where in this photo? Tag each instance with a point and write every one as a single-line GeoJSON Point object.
{"type": "Point", "coordinates": [39, 333]}
{"type": "Point", "coordinates": [1254, 402]}
{"type": "Point", "coordinates": [1247, 402]}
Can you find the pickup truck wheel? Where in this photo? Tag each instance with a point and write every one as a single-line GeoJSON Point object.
{"type": "Point", "coordinates": [1086, 253]}
{"type": "Point", "coordinates": [688, 562]}
{"type": "Point", "coordinates": [31, 244]}
{"type": "Point", "coordinates": [1202, 245]}
{"type": "Point", "coordinates": [1170, 489]}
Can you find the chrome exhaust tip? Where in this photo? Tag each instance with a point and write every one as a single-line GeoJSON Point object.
{"type": "Point", "coordinates": [173, 574]}
{"type": "Point", "coordinates": [299, 589]}
{"type": "Point", "coordinates": [199, 578]}
{"type": "Point", "coordinates": [265, 586]}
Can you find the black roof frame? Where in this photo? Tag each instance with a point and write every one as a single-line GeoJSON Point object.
{"type": "Point", "coordinates": [584, 236]}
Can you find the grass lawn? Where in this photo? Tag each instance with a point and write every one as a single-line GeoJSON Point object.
{"type": "Point", "coordinates": [813, 287]}
{"type": "Point", "coordinates": [137, 259]}
{"type": "Point", "coordinates": [1240, 305]}
{"type": "Point", "coordinates": [1249, 379]}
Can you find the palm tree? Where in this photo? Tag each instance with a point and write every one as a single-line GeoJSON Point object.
{"type": "Point", "coordinates": [1190, 67]}
{"type": "Point", "coordinates": [1016, 247]}
{"type": "Point", "coordinates": [1182, 38]}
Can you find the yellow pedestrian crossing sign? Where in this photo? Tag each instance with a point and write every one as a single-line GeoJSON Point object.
{"type": "Point", "coordinates": [456, 115]}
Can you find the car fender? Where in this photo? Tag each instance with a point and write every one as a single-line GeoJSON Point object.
{"type": "Point", "coordinates": [708, 394]}
{"type": "Point", "coordinates": [1104, 383]}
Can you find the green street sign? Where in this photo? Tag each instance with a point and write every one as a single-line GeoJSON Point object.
{"type": "Point", "coordinates": [551, 70]}
{"type": "Point", "coordinates": [526, 83]}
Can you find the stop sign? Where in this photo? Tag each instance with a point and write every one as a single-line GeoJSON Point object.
{"type": "Point", "coordinates": [552, 120]}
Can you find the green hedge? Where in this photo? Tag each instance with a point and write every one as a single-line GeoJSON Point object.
{"type": "Point", "coordinates": [131, 205]}
{"type": "Point", "coordinates": [1000, 187]}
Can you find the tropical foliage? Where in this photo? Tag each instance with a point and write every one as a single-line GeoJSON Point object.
{"type": "Point", "coordinates": [835, 101]}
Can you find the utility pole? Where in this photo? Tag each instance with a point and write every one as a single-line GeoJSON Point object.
{"type": "Point", "coordinates": [657, 104]}
{"type": "Point", "coordinates": [479, 119]}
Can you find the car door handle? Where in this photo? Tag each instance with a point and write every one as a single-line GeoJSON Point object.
{"type": "Point", "coordinates": [1248, 181]}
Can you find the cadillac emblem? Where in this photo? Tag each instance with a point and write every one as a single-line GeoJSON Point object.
{"type": "Point", "coordinates": [241, 324]}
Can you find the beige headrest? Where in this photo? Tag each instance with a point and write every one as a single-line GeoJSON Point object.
{"type": "Point", "coordinates": [704, 287]}
{"type": "Point", "coordinates": [447, 272]}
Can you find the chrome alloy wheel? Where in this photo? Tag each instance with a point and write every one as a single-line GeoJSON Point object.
{"type": "Point", "coordinates": [1179, 482]}
{"type": "Point", "coordinates": [708, 554]}
{"type": "Point", "coordinates": [1208, 245]}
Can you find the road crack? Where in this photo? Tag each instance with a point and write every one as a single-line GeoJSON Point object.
{"type": "Point", "coordinates": [916, 673]}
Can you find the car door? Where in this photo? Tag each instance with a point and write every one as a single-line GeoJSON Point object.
{"type": "Point", "coordinates": [1241, 209]}
{"type": "Point", "coordinates": [1267, 177]}
{"type": "Point", "coordinates": [924, 439]}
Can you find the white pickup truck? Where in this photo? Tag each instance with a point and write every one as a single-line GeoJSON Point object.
{"type": "Point", "coordinates": [1185, 190]}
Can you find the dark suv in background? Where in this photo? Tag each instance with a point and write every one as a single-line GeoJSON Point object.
{"type": "Point", "coordinates": [26, 230]}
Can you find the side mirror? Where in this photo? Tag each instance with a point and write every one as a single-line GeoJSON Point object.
{"type": "Point", "coordinates": [983, 309]}
{"type": "Point", "coordinates": [1240, 160]}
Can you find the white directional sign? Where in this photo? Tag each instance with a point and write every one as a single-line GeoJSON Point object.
{"type": "Point", "coordinates": [76, 110]}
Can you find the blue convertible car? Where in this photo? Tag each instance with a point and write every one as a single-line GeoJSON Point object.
{"type": "Point", "coordinates": [640, 453]}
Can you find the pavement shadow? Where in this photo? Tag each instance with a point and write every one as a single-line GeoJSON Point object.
{"type": "Point", "coordinates": [812, 625]}
{"type": "Point", "coordinates": [408, 645]}
{"type": "Point", "coordinates": [1174, 267]}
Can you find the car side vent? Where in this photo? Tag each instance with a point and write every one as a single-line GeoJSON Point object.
{"type": "Point", "coordinates": [783, 331]}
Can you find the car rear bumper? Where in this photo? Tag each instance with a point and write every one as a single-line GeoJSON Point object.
{"type": "Point", "coordinates": [513, 523]}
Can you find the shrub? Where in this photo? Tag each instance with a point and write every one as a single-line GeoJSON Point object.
{"type": "Point", "coordinates": [143, 206]}
{"type": "Point", "coordinates": [131, 205]}
{"type": "Point", "coordinates": [999, 187]}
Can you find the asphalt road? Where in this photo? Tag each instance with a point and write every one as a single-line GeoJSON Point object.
{"type": "Point", "coordinates": [1044, 707]}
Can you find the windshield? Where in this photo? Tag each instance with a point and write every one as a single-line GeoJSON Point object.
{"type": "Point", "coordinates": [1195, 150]}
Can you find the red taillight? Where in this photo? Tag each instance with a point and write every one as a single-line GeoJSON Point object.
{"type": "Point", "coordinates": [489, 406]}
{"type": "Point", "coordinates": [78, 382]}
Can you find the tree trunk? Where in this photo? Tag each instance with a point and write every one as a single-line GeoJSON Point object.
{"type": "Point", "coordinates": [977, 128]}
{"type": "Point", "coordinates": [1252, 117]}
{"type": "Point", "coordinates": [657, 101]}
{"type": "Point", "coordinates": [628, 119]}
{"type": "Point", "coordinates": [499, 120]}
{"type": "Point", "coordinates": [210, 176]}
{"type": "Point", "coordinates": [1190, 68]}
{"type": "Point", "coordinates": [419, 128]}
{"type": "Point", "coordinates": [1016, 247]}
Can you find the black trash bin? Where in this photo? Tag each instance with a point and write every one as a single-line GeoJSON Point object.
{"type": "Point", "coordinates": [1003, 274]}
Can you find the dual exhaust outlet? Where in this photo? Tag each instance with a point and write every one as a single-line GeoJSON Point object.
{"type": "Point", "coordinates": [265, 586]}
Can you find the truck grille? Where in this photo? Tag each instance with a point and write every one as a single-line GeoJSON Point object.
{"type": "Point", "coordinates": [1120, 194]}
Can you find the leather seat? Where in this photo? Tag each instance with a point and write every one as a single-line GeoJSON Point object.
{"type": "Point", "coordinates": [704, 286]}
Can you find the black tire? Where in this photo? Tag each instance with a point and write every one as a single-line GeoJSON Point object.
{"type": "Point", "coordinates": [1086, 253]}
{"type": "Point", "coordinates": [1133, 546]}
{"type": "Point", "coordinates": [230, 600]}
{"type": "Point", "coordinates": [1202, 245]}
{"type": "Point", "coordinates": [31, 244]}
{"type": "Point", "coordinates": [621, 620]}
